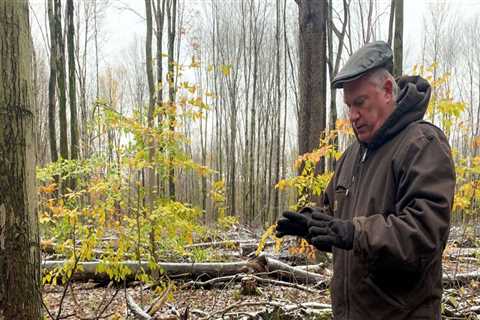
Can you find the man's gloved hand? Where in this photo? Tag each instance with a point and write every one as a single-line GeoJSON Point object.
{"type": "Point", "coordinates": [294, 224]}
{"type": "Point", "coordinates": [329, 231]}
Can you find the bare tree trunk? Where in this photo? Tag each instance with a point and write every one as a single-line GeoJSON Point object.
{"type": "Point", "coordinates": [149, 139]}
{"type": "Point", "coordinates": [278, 113]}
{"type": "Point", "coordinates": [159, 20]}
{"type": "Point", "coordinates": [312, 74]}
{"type": "Point", "coordinates": [61, 80]}
{"type": "Point", "coordinates": [334, 64]}
{"type": "Point", "coordinates": [398, 39]}
{"type": "Point", "coordinates": [285, 93]}
{"type": "Point", "coordinates": [390, 23]}
{"type": "Point", "coordinates": [71, 82]}
{"type": "Point", "coordinates": [247, 75]}
{"type": "Point", "coordinates": [52, 85]}
{"type": "Point", "coordinates": [19, 234]}
{"type": "Point", "coordinates": [252, 189]}
{"type": "Point", "coordinates": [172, 24]}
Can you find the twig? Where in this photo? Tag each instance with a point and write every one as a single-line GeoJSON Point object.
{"type": "Point", "coordinates": [109, 302]}
{"type": "Point", "coordinates": [158, 302]}
{"type": "Point", "coordinates": [69, 280]}
{"type": "Point", "coordinates": [285, 284]}
{"type": "Point", "coordinates": [287, 308]}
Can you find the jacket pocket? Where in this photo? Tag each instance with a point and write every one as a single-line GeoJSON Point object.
{"type": "Point", "coordinates": [384, 295]}
{"type": "Point", "coordinates": [400, 288]}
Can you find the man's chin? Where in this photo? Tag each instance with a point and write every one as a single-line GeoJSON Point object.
{"type": "Point", "coordinates": [363, 137]}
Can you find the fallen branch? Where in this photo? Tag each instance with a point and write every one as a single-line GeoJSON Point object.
{"type": "Point", "coordinates": [160, 301]}
{"type": "Point", "coordinates": [295, 274]}
{"type": "Point", "coordinates": [239, 277]}
{"type": "Point", "coordinates": [309, 307]}
{"type": "Point", "coordinates": [138, 312]}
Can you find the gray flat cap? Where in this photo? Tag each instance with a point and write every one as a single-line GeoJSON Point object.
{"type": "Point", "coordinates": [371, 56]}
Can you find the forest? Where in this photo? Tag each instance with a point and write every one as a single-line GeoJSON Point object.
{"type": "Point", "coordinates": [148, 148]}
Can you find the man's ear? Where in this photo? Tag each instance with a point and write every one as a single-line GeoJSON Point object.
{"type": "Point", "coordinates": [388, 87]}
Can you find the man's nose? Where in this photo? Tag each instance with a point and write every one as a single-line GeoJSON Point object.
{"type": "Point", "coordinates": [353, 114]}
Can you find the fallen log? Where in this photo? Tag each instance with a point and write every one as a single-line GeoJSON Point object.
{"type": "Point", "coordinates": [457, 253]}
{"type": "Point", "coordinates": [88, 270]}
{"type": "Point", "coordinates": [207, 270]}
{"type": "Point", "coordinates": [459, 279]}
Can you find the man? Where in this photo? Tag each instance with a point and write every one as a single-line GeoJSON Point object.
{"type": "Point", "coordinates": [386, 212]}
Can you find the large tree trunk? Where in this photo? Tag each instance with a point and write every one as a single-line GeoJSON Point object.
{"type": "Point", "coordinates": [312, 74]}
{"type": "Point", "coordinates": [19, 239]}
{"type": "Point", "coordinates": [52, 84]}
{"type": "Point", "coordinates": [71, 82]}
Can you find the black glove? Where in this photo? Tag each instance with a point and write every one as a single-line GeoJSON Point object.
{"type": "Point", "coordinates": [294, 224]}
{"type": "Point", "coordinates": [328, 231]}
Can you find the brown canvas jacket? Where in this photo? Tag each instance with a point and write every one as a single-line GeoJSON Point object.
{"type": "Point", "coordinates": [398, 190]}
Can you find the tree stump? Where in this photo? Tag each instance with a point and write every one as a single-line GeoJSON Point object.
{"type": "Point", "coordinates": [248, 286]}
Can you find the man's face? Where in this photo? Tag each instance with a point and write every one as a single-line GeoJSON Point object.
{"type": "Point", "coordinates": [369, 105]}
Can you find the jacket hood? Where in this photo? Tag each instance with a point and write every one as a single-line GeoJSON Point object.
{"type": "Point", "coordinates": [412, 102]}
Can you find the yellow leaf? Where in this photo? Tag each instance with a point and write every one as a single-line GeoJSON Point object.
{"type": "Point", "coordinates": [225, 69]}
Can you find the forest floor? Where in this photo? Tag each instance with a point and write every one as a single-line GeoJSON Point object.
{"type": "Point", "coordinates": [90, 300]}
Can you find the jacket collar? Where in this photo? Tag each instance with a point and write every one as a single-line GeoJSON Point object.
{"type": "Point", "coordinates": [412, 102]}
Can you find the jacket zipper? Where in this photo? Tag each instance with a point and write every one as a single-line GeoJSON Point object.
{"type": "Point", "coordinates": [357, 172]}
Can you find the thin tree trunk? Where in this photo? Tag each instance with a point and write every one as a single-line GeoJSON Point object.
{"type": "Point", "coordinates": [390, 23]}
{"type": "Point", "coordinates": [61, 80]}
{"type": "Point", "coordinates": [74, 150]}
{"type": "Point", "coordinates": [149, 138]}
{"type": "Point", "coordinates": [52, 84]}
{"type": "Point", "coordinates": [19, 235]}
{"type": "Point", "coordinates": [333, 66]}
{"type": "Point", "coordinates": [159, 20]}
{"type": "Point", "coordinates": [398, 40]}
{"type": "Point", "coordinates": [253, 121]}
{"type": "Point", "coordinates": [172, 21]}
{"type": "Point", "coordinates": [278, 113]}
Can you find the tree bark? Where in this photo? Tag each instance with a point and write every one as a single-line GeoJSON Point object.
{"type": "Point", "coordinates": [149, 139]}
{"type": "Point", "coordinates": [334, 64]}
{"type": "Point", "coordinates": [172, 24]}
{"type": "Point", "coordinates": [398, 39]}
{"type": "Point", "coordinates": [19, 238]}
{"type": "Point", "coordinates": [61, 80]}
{"type": "Point", "coordinates": [74, 149]}
{"type": "Point", "coordinates": [312, 74]}
{"type": "Point", "coordinates": [52, 85]}
{"type": "Point", "coordinates": [160, 21]}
